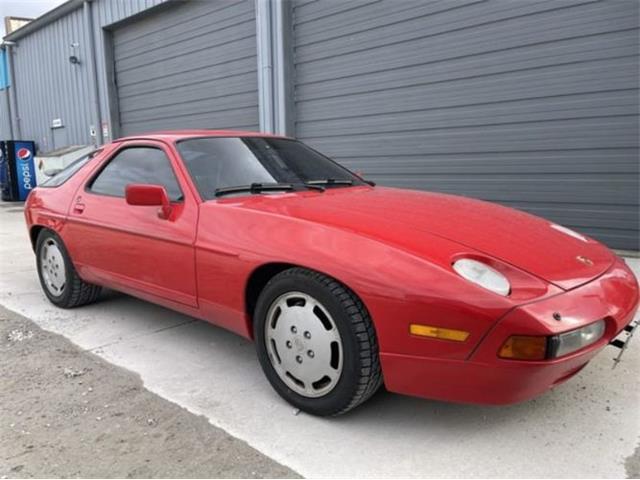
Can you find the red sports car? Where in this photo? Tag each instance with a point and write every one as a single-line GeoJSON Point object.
{"type": "Point", "coordinates": [342, 285]}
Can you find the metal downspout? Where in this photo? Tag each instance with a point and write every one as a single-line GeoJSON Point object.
{"type": "Point", "coordinates": [13, 101]}
{"type": "Point", "coordinates": [265, 66]}
{"type": "Point", "coordinates": [9, 111]}
{"type": "Point", "coordinates": [275, 66]}
{"type": "Point", "coordinates": [8, 100]}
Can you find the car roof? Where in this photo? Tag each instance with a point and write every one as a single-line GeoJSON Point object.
{"type": "Point", "coordinates": [175, 135]}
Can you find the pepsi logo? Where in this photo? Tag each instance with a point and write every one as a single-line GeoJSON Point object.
{"type": "Point", "coordinates": [24, 154]}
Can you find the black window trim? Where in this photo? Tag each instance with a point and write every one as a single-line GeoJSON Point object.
{"type": "Point", "coordinates": [124, 146]}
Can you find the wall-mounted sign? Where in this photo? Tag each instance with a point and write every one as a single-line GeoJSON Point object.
{"type": "Point", "coordinates": [105, 131]}
{"type": "Point", "coordinates": [56, 123]}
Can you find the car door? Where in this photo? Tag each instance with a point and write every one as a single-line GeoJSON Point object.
{"type": "Point", "coordinates": [132, 247]}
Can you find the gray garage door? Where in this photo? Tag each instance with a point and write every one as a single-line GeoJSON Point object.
{"type": "Point", "coordinates": [530, 104]}
{"type": "Point", "coordinates": [188, 65]}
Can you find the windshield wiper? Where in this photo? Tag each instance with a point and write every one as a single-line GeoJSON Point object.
{"type": "Point", "coordinates": [312, 186]}
{"type": "Point", "coordinates": [329, 181]}
{"type": "Point", "coordinates": [253, 188]}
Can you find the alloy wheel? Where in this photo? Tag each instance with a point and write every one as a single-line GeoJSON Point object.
{"type": "Point", "coordinates": [304, 344]}
{"type": "Point", "coordinates": [52, 267]}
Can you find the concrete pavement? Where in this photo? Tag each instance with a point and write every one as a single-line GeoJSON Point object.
{"type": "Point", "coordinates": [588, 427]}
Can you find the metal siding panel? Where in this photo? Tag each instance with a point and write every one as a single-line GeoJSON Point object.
{"type": "Point", "coordinates": [192, 66]}
{"type": "Point", "coordinates": [106, 13]}
{"type": "Point", "coordinates": [181, 21]}
{"type": "Point", "coordinates": [48, 86]}
{"type": "Point", "coordinates": [5, 120]}
{"type": "Point", "coordinates": [529, 104]}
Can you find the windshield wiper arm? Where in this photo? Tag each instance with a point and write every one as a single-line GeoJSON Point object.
{"type": "Point", "coordinates": [329, 181]}
{"type": "Point", "coordinates": [312, 186]}
{"type": "Point", "coordinates": [253, 188]}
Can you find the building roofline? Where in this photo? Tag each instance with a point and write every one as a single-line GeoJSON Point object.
{"type": "Point", "coordinates": [13, 17]}
{"type": "Point", "coordinates": [44, 19]}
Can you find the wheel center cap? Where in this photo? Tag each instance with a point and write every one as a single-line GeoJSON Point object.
{"type": "Point", "coordinates": [299, 344]}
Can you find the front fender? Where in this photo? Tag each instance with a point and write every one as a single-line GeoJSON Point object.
{"type": "Point", "coordinates": [397, 287]}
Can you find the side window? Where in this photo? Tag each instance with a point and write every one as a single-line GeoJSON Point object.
{"type": "Point", "coordinates": [137, 165]}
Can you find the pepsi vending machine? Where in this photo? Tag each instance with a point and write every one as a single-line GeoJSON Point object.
{"type": "Point", "coordinates": [17, 169]}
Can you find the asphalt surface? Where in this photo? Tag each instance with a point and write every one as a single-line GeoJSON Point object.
{"type": "Point", "coordinates": [588, 427]}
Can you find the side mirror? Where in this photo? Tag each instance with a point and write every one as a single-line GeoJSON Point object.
{"type": "Point", "coordinates": [149, 195]}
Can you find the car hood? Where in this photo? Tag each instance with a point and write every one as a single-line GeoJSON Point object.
{"type": "Point", "coordinates": [405, 218]}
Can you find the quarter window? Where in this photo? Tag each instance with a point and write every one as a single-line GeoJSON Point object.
{"type": "Point", "coordinates": [69, 171]}
{"type": "Point", "coordinates": [146, 165]}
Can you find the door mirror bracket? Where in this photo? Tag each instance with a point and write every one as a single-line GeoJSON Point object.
{"type": "Point", "coordinates": [149, 195]}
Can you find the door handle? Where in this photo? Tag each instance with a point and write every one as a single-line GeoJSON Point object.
{"type": "Point", "coordinates": [78, 207]}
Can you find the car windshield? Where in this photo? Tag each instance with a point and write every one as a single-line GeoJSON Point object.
{"type": "Point", "coordinates": [217, 163]}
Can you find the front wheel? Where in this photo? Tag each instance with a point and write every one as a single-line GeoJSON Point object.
{"type": "Point", "coordinates": [58, 277]}
{"type": "Point", "coordinates": [316, 343]}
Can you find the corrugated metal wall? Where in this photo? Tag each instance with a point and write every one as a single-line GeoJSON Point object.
{"type": "Point", "coordinates": [105, 13]}
{"type": "Point", "coordinates": [5, 120]}
{"type": "Point", "coordinates": [50, 87]}
{"type": "Point", "coordinates": [191, 66]}
{"type": "Point", "coordinates": [531, 104]}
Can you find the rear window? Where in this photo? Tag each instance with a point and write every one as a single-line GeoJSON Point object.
{"type": "Point", "coordinates": [69, 171]}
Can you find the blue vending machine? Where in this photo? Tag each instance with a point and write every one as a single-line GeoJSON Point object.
{"type": "Point", "coordinates": [17, 169]}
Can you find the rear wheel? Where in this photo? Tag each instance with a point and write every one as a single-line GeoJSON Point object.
{"type": "Point", "coordinates": [316, 343]}
{"type": "Point", "coordinates": [58, 278]}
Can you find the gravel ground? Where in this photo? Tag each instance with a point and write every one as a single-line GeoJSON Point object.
{"type": "Point", "coordinates": [65, 412]}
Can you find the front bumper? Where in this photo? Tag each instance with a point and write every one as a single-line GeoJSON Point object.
{"type": "Point", "coordinates": [486, 379]}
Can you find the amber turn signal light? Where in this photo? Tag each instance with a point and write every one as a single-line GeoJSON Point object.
{"type": "Point", "coordinates": [438, 332]}
{"type": "Point", "coordinates": [521, 347]}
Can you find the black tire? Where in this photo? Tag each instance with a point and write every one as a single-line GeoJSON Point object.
{"type": "Point", "coordinates": [75, 292]}
{"type": "Point", "coordinates": [361, 374]}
